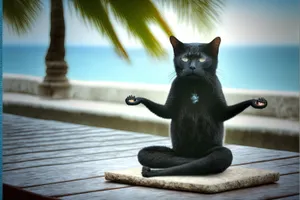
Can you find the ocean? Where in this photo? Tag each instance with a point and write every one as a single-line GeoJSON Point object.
{"type": "Point", "coordinates": [242, 67]}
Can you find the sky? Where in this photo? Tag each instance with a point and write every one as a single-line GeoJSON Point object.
{"type": "Point", "coordinates": [248, 22]}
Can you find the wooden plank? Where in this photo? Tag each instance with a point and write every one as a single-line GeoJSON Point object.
{"type": "Point", "coordinates": [97, 142]}
{"type": "Point", "coordinates": [35, 123]}
{"type": "Point", "coordinates": [20, 119]}
{"type": "Point", "coordinates": [291, 197]}
{"type": "Point", "coordinates": [57, 173]}
{"type": "Point", "coordinates": [238, 155]}
{"type": "Point", "coordinates": [8, 120]}
{"type": "Point", "coordinates": [52, 133]}
{"type": "Point", "coordinates": [288, 184]}
{"type": "Point", "coordinates": [48, 130]}
{"type": "Point", "coordinates": [94, 138]}
{"type": "Point", "coordinates": [11, 192]}
{"type": "Point", "coordinates": [250, 152]}
{"type": "Point", "coordinates": [24, 128]}
{"type": "Point", "coordinates": [35, 126]}
{"type": "Point", "coordinates": [68, 153]}
{"type": "Point", "coordinates": [66, 132]}
{"type": "Point", "coordinates": [92, 167]}
{"type": "Point", "coordinates": [285, 166]}
{"type": "Point", "coordinates": [24, 132]}
{"type": "Point", "coordinates": [86, 158]}
{"type": "Point", "coordinates": [76, 187]}
{"type": "Point", "coordinates": [48, 139]}
{"type": "Point", "coordinates": [76, 135]}
{"type": "Point", "coordinates": [84, 137]}
{"type": "Point", "coordinates": [71, 160]}
{"type": "Point", "coordinates": [81, 146]}
{"type": "Point", "coordinates": [26, 177]}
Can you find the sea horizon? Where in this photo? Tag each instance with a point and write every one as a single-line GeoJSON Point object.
{"type": "Point", "coordinates": [260, 67]}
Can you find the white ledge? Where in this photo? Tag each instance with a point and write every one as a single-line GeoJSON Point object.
{"type": "Point", "coordinates": [281, 104]}
{"type": "Point", "coordinates": [140, 113]}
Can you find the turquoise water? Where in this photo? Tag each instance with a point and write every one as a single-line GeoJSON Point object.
{"type": "Point", "coordinates": [245, 67]}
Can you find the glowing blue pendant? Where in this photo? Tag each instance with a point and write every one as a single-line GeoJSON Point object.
{"type": "Point", "coordinates": [194, 98]}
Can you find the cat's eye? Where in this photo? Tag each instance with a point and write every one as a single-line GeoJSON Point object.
{"type": "Point", "coordinates": [184, 59]}
{"type": "Point", "coordinates": [202, 59]}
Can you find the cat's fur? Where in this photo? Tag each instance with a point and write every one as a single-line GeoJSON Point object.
{"type": "Point", "coordinates": [197, 127]}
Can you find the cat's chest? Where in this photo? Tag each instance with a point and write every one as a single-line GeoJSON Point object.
{"type": "Point", "coordinates": [192, 101]}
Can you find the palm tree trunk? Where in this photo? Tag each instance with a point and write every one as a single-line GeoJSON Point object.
{"type": "Point", "coordinates": [56, 84]}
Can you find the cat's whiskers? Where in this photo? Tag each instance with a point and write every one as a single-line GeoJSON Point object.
{"type": "Point", "coordinates": [172, 75]}
{"type": "Point", "coordinates": [220, 74]}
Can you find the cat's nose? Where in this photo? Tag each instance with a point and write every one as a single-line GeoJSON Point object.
{"type": "Point", "coordinates": [192, 67]}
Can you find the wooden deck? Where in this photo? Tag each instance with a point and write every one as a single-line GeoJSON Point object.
{"type": "Point", "coordinates": [68, 161]}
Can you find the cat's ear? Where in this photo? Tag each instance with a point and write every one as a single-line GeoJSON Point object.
{"type": "Point", "coordinates": [214, 46]}
{"type": "Point", "coordinates": [177, 45]}
{"type": "Point", "coordinates": [175, 42]}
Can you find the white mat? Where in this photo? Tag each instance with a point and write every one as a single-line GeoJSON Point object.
{"type": "Point", "coordinates": [233, 178]}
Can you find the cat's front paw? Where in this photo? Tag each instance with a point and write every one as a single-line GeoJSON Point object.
{"type": "Point", "coordinates": [132, 100]}
{"type": "Point", "coordinates": [259, 103]}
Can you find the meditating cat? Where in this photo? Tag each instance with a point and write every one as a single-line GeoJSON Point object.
{"type": "Point", "coordinates": [198, 109]}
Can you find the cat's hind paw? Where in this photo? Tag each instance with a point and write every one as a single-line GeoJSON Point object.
{"type": "Point", "coordinates": [259, 103]}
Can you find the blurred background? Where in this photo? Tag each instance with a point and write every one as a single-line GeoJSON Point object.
{"type": "Point", "coordinates": [259, 49]}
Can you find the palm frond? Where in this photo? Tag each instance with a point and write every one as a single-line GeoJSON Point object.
{"type": "Point", "coordinates": [203, 15]}
{"type": "Point", "coordinates": [136, 16]}
{"type": "Point", "coordinates": [20, 14]}
{"type": "Point", "coordinates": [94, 12]}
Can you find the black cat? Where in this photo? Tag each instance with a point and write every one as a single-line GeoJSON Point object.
{"type": "Point", "coordinates": [197, 107]}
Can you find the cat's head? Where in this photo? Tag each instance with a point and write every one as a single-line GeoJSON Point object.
{"type": "Point", "coordinates": [195, 60]}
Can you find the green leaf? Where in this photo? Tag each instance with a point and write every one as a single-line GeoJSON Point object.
{"type": "Point", "coordinates": [203, 15]}
{"type": "Point", "coordinates": [20, 14]}
{"type": "Point", "coordinates": [136, 16]}
{"type": "Point", "coordinates": [94, 12]}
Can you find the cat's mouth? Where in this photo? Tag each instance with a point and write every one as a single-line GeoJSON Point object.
{"type": "Point", "coordinates": [192, 75]}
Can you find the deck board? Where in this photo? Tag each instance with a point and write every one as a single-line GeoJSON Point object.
{"type": "Point", "coordinates": [73, 187]}
{"type": "Point", "coordinates": [85, 139]}
{"type": "Point", "coordinates": [23, 134]}
{"type": "Point", "coordinates": [290, 197]}
{"type": "Point", "coordinates": [288, 184]}
{"type": "Point", "coordinates": [79, 145]}
{"type": "Point", "coordinates": [52, 134]}
{"type": "Point", "coordinates": [87, 151]}
{"type": "Point", "coordinates": [69, 160]}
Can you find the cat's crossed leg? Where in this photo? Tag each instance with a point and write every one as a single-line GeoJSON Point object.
{"type": "Point", "coordinates": [160, 157]}
{"type": "Point", "coordinates": [215, 160]}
